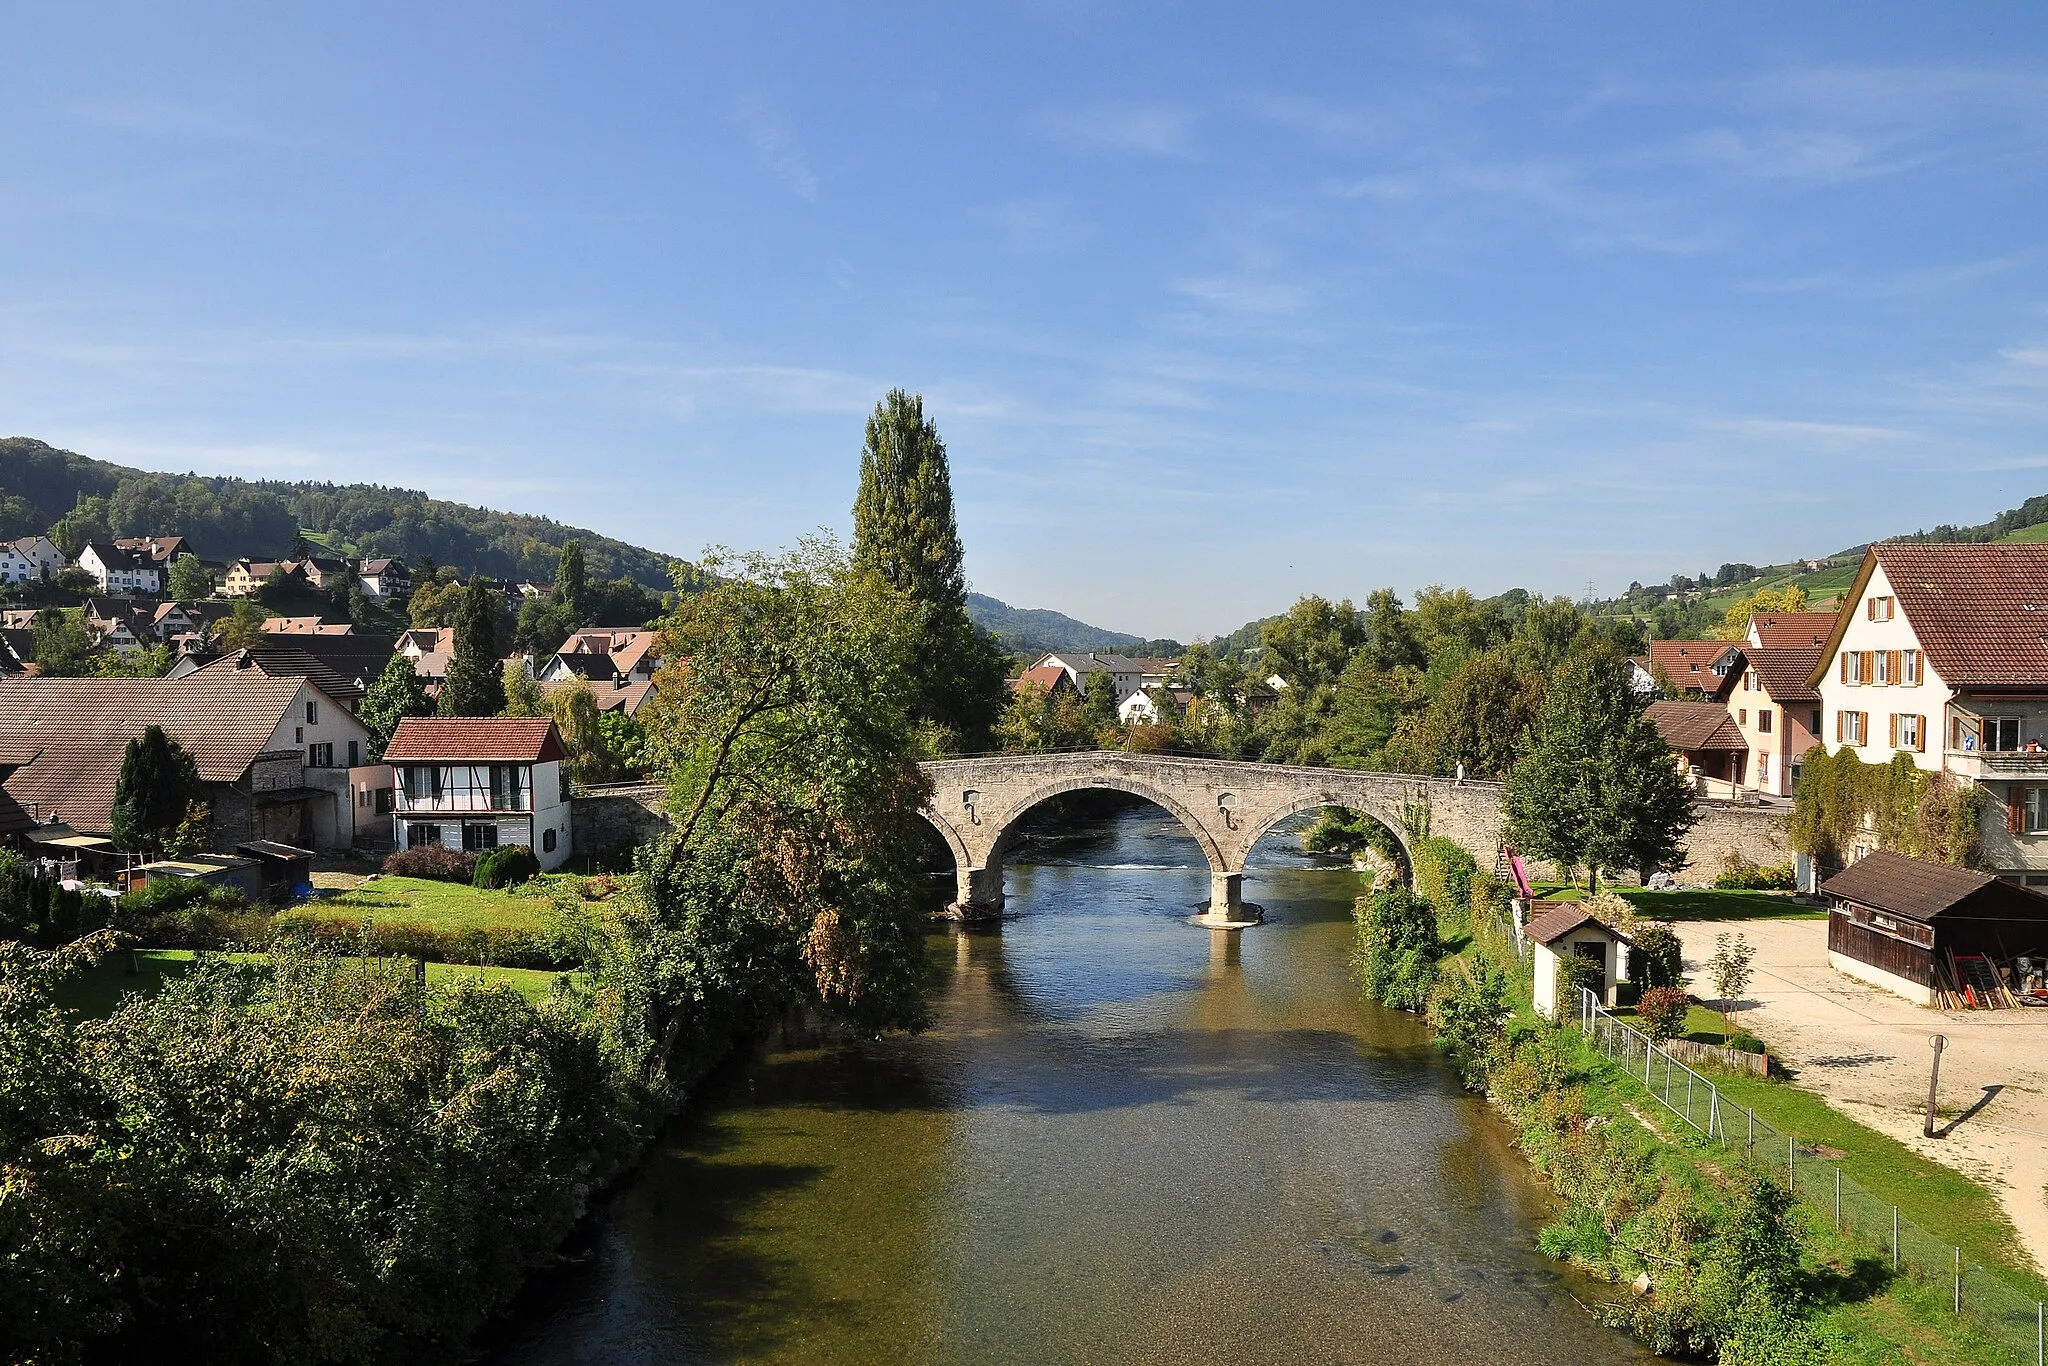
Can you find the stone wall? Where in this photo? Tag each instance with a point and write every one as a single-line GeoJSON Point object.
{"type": "Point", "coordinates": [605, 824]}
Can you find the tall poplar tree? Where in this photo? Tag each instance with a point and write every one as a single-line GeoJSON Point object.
{"type": "Point", "coordinates": [572, 584]}
{"type": "Point", "coordinates": [904, 529]}
{"type": "Point", "coordinates": [475, 685]}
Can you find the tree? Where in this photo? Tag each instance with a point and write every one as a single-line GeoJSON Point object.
{"type": "Point", "coordinates": [434, 604]}
{"type": "Point", "coordinates": [576, 717]}
{"type": "Point", "coordinates": [1662, 1011]}
{"type": "Point", "coordinates": [158, 781]}
{"type": "Point", "coordinates": [475, 685]}
{"type": "Point", "coordinates": [791, 877]}
{"type": "Point", "coordinates": [189, 580]}
{"type": "Point", "coordinates": [1397, 949]}
{"type": "Point", "coordinates": [904, 530]}
{"type": "Point", "coordinates": [1658, 959]}
{"type": "Point", "coordinates": [63, 647]}
{"type": "Point", "coordinates": [399, 692]}
{"type": "Point", "coordinates": [1598, 787]}
{"type": "Point", "coordinates": [1734, 624]}
{"type": "Point", "coordinates": [242, 628]}
{"type": "Point", "coordinates": [523, 695]}
{"type": "Point", "coordinates": [542, 626]}
{"type": "Point", "coordinates": [1479, 717]}
{"type": "Point", "coordinates": [1099, 708]}
{"type": "Point", "coordinates": [571, 587]}
{"type": "Point", "coordinates": [1731, 968]}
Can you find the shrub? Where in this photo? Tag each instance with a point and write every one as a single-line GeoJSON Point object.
{"type": "Point", "coordinates": [506, 867]}
{"type": "Point", "coordinates": [1742, 1041]}
{"type": "Point", "coordinates": [1574, 972]}
{"type": "Point", "coordinates": [478, 945]}
{"type": "Point", "coordinates": [1469, 1011]}
{"type": "Point", "coordinates": [1751, 877]}
{"type": "Point", "coordinates": [434, 862]}
{"type": "Point", "coordinates": [163, 894]}
{"type": "Point", "coordinates": [1490, 896]}
{"type": "Point", "coordinates": [1662, 1011]}
{"type": "Point", "coordinates": [1658, 959]}
{"type": "Point", "coordinates": [1397, 948]}
{"type": "Point", "coordinates": [1443, 875]}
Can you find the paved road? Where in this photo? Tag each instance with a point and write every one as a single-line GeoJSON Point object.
{"type": "Point", "coordinates": [1866, 1051]}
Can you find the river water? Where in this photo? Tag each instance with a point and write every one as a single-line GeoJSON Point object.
{"type": "Point", "coordinates": [1126, 1139]}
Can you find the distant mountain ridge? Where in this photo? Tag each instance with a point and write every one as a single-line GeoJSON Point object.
{"type": "Point", "coordinates": [1028, 630]}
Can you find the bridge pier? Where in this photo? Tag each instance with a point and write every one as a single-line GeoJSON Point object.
{"type": "Point", "coordinates": [980, 894]}
{"type": "Point", "coordinates": [1228, 910]}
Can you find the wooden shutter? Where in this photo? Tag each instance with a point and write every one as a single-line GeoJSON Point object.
{"type": "Point", "coordinates": [1920, 734]}
{"type": "Point", "coordinates": [1892, 666]}
{"type": "Point", "coordinates": [1894, 741]}
{"type": "Point", "coordinates": [1838, 726]}
{"type": "Point", "coordinates": [1869, 665]}
{"type": "Point", "coordinates": [2015, 810]}
{"type": "Point", "coordinates": [1845, 674]}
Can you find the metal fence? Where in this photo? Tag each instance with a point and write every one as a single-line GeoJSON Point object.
{"type": "Point", "coordinates": [2009, 1317]}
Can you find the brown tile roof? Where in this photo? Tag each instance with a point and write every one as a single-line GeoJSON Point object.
{"type": "Point", "coordinates": [1794, 629]}
{"type": "Point", "coordinates": [1980, 611]}
{"type": "Point", "coordinates": [1689, 663]}
{"type": "Point", "coordinates": [305, 626]}
{"type": "Point", "coordinates": [1556, 923]}
{"type": "Point", "coordinates": [1047, 676]}
{"type": "Point", "coordinates": [285, 662]}
{"type": "Point", "coordinates": [1690, 727]}
{"type": "Point", "coordinates": [82, 726]}
{"type": "Point", "coordinates": [1784, 671]}
{"type": "Point", "coordinates": [500, 739]}
{"type": "Point", "coordinates": [1923, 891]}
{"type": "Point", "coordinates": [627, 646]}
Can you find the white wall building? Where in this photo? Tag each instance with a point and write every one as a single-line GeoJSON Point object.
{"type": "Point", "coordinates": [480, 783]}
{"type": "Point", "coordinates": [120, 571]}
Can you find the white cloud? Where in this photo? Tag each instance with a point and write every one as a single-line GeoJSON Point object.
{"type": "Point", "coordinates": [775, 146]}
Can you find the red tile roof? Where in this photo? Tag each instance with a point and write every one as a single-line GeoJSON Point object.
{"type": "Point", "coordinates": [1688, 662]}
{"type": "Point", "coordinates": [1979, 611]}
{"type": "Point", "coordinates": [1794, 629]}
{"type": "Point", "coordinates": [1047, 676]}
{"type": "Point", "coordinates": [82, 726]}
{"type": "Point", "coordinates": [1556, 923]}
{"type": "Point", "coordinates": [1784, 670]}
{"type": "Point", "coordinates": [1690, 727]}
{"type": "Point", "coordinates": [494, 739]}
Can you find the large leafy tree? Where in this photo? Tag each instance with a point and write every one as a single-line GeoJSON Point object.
{"type": "Point", "coordinates": [475, 685]}
{"type": "Point", "coordinates": [572, 585]}
{"type": "Point", "coordinates": [791, 878]}
{"type": "Point", "coordinates": [189, 579]}
{"type": "Point", "coordinates": [399, 692]}
{"type": "Point", "coordinates": [904, 530]}
{"type": "Point", "coordinates": [158, 781]}
{"type": "Point", "coordinates": [63, 647]}
{"type": "Point", "coordinates": [1598, 788]}
{"type": "Point", "coordinates": [1479, 717]}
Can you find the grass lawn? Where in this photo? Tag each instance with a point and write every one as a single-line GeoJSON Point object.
{"type": "Point", "coordinates": [420, 901]}
{"type": "Point", "coordinates": [1714, 904]}
{"type": "Point", "coordinates": [95, 992]}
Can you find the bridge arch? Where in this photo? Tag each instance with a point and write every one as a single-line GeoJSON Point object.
{"type": "Point", "coordinates": [1006, 824]}
{"type": "Point", "coordinates": [1310, 801]}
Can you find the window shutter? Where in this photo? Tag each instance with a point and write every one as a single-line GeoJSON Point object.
{"type": "Point", "coordinates": [1869, 665]}
{"type": "Point", "coordinates": [1896, 662]}
{"type": "Point", "coordinates": [1844, 658]}
{"type": "Point", "coordinates": [1894, 741]}
{"type": "Point", "coordinates": [1870, 608]}
{"type": "Point", "coordinates": [2015, 810]}
{"type": "Point", "coordinates": [1920, 734]}
{"type": "Point", "coordinates": [1838, 726]}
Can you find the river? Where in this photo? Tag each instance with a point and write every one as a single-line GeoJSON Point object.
{"type": "Point", "coordinates": [1126, 1139]}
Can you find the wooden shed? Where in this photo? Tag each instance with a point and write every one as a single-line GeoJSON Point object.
{"type": "Point", "coordinates": [1919, 928]}
{"type": "Point", "coordinates": [1569, 930]}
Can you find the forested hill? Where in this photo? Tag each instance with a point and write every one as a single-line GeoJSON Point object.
{"type": "Point", "coordinates": [41, 486]}
{"type": "Point", "coordinates": [1028, 630]}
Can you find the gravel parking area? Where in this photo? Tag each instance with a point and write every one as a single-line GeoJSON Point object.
{"type": "Point", "coordinates": [1867, 1052]}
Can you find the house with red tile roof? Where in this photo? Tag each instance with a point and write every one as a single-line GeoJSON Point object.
{"type": "Point", "coordinates": [1709, 744]}
{"type": "Point", "coordinates": [1694, 668]}
{"type": "Point", "coordinates": [480, 783]}
{"type": "Point", "coordinates": [1940, 652]}
{"type": "Point", "coordinates": [1047, 676]}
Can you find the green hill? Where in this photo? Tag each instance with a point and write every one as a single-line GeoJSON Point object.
{"type": "Point", "coordinates": [42, 486]}
{"type": "Point", "coordinates": [1032, 630]}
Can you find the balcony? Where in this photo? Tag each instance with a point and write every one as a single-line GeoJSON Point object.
{"type": "Point", "coordinates": [2011, 765]}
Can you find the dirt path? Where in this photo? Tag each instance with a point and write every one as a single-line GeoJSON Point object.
{"type": "Point", "coordinates": [1866, 1051]}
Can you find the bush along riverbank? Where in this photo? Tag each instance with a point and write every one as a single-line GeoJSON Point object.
{"type": "Point", "coordinates": [1710, 1255]}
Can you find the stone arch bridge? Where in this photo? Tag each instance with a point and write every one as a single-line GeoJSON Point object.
{"type": "Point", "coordinates": [1226, 806]}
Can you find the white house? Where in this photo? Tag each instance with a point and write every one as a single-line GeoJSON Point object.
{"type": "Point", "coordinates": [383, 579]}
{"type": "Point", "coordinates": [1572, 931]}
{"type": "Point", "coordinates": [120, 571]}
{"type": "Point", "coordinates": [1080, 666]}
{"type": "Point", "coordinates": [1937, 654]}
{"type": "Point", "coordinates": [608, 655]}
{"type": "Point", "coordinates": [1142, 708]}
{"type": "Point", "coordinates": [16, 567]}
{"type": "Point", "coordinates": [480, 783]}
{"type": "Point", "coordinates": [43, 553]}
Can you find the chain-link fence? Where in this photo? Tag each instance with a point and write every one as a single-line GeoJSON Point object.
{"type": "Point", "coordinates": [2004, 1314]}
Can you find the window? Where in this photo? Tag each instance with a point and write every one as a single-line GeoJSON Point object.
{"type": "Point", "coordinates": [1742, 716]}
{"type": "Point", "coordinates": [547, 841]}
{"type": "Point", "coordinates": [506, 782]}
{"type": "Point", "coordinates": [475, 837]}
{"type": "Point", "coordinates": [312, 712]}
{"type": "Point", "coordinates": [355, 753]}
{"type": "Point", "coordinates": [320, 756]}
{"type": "Point", "coordinates": [422, 782]}
{"type": "Point", "coordinates": [1813, 723]}
{"type": "Point", "coordinates": [1763, 720]}
{"type": "Point", "coordinates": [1763, 769]}
{"type": "Point", "coordinates": [2027, 810]}
{"type": "Point", "coordinates": [1851, 727]}
{"type": "Point", "coordinates": [1881, 668]}
{"type": "Point", "coordinates": [1880, 609]}
{"type": "Point", "coordinates": [2001, 733]}
{"type": "Point", "coordinates": [1853, 671]}
{"type": "Point", "coordinates": [1909, 668]}
{"type": "Point", "coordinates": [384, 802]}
{"type": "Point", "coordinates": [298, 735]}
{"type": "Point", "coordinates": [1909, 732]}
{"type": "Point", "coordinates": [422, 836]}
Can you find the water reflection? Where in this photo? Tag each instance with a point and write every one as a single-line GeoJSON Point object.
{"type": "Point", "coordinates": [1126, 1140]}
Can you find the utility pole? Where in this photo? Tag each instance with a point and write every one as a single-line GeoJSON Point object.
{"type": "Point", "coordinates": [1937, 1043]}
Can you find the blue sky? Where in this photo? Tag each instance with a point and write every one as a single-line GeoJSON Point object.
{"type": "Point", "coordinates": [1214, 305]}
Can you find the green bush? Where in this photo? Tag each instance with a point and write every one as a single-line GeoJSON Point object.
{"type": "Point", "coordinates": [1397, 948]}
{"type": "Point", "coordinates": [1490, 896]}
{"type": "Point", "coordinates": [163, 894]}
{"type": "Point", "coordinates": [433, 862]}
{"type": "Point", "coordinates": [1658, 958]}
{"type": "Point", "coordinates": [1742, 1041]}
{"type": "Point", "coordinates": [1469, 1011]}
{"type": "Point", "coordinates": [1574, 972]}
{"type": "Point", "coordinates": [1752, 877]}
{"type": "Point", "coordinates": [506, 867]}
{"type": "Point", "coordinates": [1443, 875]}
